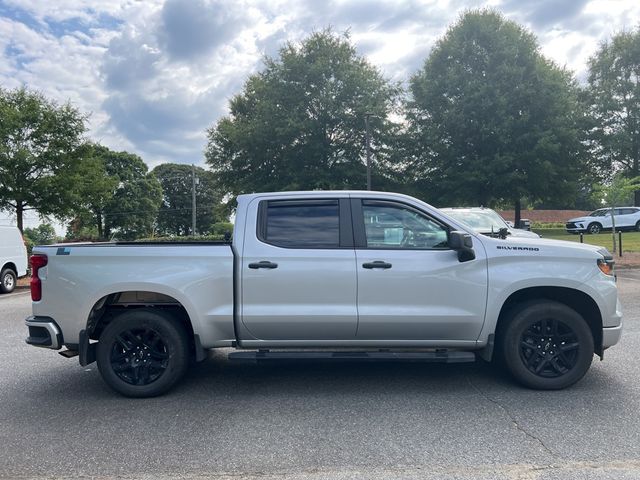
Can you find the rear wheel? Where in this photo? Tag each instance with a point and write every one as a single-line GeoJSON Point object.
{"type": "Point", "coordinates": [143, 353]}
{"type": "Point", "coordinates": [594, 228]}
{"type": "Point", "coordinates": [547, 345]}
{"type": "Point", "coordinates": [8, 280]}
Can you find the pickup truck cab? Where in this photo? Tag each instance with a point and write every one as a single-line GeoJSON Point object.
{"type": "Point", "coordinates": [336, 274]}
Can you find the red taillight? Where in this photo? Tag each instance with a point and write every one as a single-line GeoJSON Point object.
{"type": "Point", "coordinates": [37, 262]}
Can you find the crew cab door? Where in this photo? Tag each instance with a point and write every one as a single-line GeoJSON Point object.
{"type": "Point", "coordinates": [298, 273]}
{"type": "Point", "coordinates": [411, 285]}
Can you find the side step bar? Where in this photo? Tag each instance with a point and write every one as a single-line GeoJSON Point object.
{"type": "Point", "coordinates": [440, 356]}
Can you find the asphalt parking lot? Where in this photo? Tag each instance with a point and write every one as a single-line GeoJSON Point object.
{"type": "Point", "coordinates": [317, 421]}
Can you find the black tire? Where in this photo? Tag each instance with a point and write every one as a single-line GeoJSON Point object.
{"type": "Point", "coordinates": [594, 228]}
{"type": "Point", "coordinates": [143, 353]}
{"type": "Point", "coordinates": [8, 279]}
{"type": "Point", "coordinates": [638, 226]}
{"type": "Point", "coordinates": [546, 345]}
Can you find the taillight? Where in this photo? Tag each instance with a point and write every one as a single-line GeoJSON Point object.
{"type": "Point", "coordinates": [37, 262]}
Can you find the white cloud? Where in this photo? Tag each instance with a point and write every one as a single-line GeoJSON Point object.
{"type": "Point", "coordinates": [155, 74]}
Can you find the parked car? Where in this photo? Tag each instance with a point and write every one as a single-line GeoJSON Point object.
{"type": "Point", "coordinates": [330, 275]}
{"type": "Point", "coordinates": [627, 218]}
{"type": "Point", "coordinates": [13, 258]}
{"type": "Point", "coordinates": [486, 221]}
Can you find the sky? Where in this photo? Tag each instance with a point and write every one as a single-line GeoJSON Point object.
{"type": "Point", "coordinates": [153, 75]}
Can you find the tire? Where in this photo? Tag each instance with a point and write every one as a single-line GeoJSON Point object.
{"type": "Point", "coordinates": [594, 228]}
{"type": "Point", "coordinates": [540, 361]}
{"type": "Point", "coordinates": [638, 226]}
{"type": "Point", "coordinates": [143, 353]}
{"type": "Point", "coordinates": [8, 279]}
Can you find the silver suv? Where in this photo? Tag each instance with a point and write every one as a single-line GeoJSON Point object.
{"type": "Point", "coordinates": [627, 218]}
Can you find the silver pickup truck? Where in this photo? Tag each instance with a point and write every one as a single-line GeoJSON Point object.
{"type": "Point", "coordinates": [342, 274]}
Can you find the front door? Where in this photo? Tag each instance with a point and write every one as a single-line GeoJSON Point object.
{"type": "Point", "coordinates": [411, 286]}
{"type": "Point", "coordinates": [298, 271]}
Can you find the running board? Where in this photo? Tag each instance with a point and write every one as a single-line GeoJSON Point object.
{"type": "Point", "coordinates": [441, 356]}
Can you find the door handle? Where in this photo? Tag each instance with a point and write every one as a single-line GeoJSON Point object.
{"type": "Point", "coordinates": [376, 264]}
{"type": "Point", "coordinates": [263, 264]}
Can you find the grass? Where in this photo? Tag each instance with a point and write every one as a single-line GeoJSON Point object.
{"type": "Point", "coordinates": [630, 240]}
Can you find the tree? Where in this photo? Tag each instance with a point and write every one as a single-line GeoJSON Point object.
{"type": "Point", "coordinates": [43, 234]}
{"type": "Point", "coordinates": [614, 100]}
{"type": "Point", "coordinates": [174, 216]}
{"type": "Point", "coordinates": [300, 123]}
{"type": "Point", "coordinates": [39, 146]}
{"type": "Point", "coordinates": [493, 121]}
{"type": "Point", "coordinates": [117, 194]}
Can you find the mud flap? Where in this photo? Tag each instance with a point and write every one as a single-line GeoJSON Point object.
{"type": "Point", "coordinates": [86, 350]}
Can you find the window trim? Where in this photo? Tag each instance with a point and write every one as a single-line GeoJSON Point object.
{"type": "Point", "coordinates": [359, 231]}
{"type": "Point", "coordinates": [345, 230]}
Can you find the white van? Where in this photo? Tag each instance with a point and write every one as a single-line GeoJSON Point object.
{"type": "Point", "coordinates": [13, 258]}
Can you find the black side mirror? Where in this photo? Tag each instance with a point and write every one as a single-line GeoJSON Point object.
{"type": "Point", "coordinates": [462, 242]}
{"type": "Point", "coordinates": [503, 232]}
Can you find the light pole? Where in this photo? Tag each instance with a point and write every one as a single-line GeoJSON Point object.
{"type": "Point", "coordinates": [368, 148]}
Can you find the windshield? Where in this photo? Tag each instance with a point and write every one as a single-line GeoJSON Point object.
{"type": "Point", "coordinates": [479, 220]}
{"type": "Point", "coordinates": [599, 213]}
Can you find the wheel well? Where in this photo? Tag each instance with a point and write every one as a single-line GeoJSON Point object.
{"type": "Point", "coordinates": [108, 307]}
{"type": "Point", "coordinates": [10, 265]}
{"type": "Point", "coordinates": [575, 299]}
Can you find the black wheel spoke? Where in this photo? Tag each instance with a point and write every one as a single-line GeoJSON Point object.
{"type": "Point", "coordinates": [549, 348]}
{"type": "Point", "coordinates": [139, 356]}
{"type": "Point", "coordinates": [569, 346]}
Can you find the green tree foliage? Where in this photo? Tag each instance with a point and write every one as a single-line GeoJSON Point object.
{"type": "Point", "coordinates": [117, 194]}
{"type": "Point", "coordinates": [174, 216]}
{"type": "Point", "coordinates": [43, 234]}
{"type": "Point", "coordinates": [614, 101]}
{"type": "Point", "coordinates": [39, 145]}
{"type": "Point", "coordinates": [492, 120]}
{"type": "Point", "coordinates": [299, 124]}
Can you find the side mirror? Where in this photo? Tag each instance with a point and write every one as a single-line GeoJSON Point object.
{"type": "Point", "coordinates": [462, 242]}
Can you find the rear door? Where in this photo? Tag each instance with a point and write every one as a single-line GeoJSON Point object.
{"type": "Point", "coordinates": [411, 285]}
{"type": "Point", "coordinates": [298, 271]}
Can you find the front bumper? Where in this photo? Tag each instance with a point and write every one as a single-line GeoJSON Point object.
{"type": "Point", "coordinates": [44, 332]}
{"type": "Point", "coordinates": [611, 336]}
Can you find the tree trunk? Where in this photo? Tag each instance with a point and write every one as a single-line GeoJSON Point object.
{"type": "Point", "coordinates": [19, 214]}
{"type": "Point", "coordinates": [99, 224]}
{"type": "Point", "coordinates": [613, 230]}
{"type": "Point", "coordinates": [518, 207]}
{"type": "Point", "coordinates": [636, 198]}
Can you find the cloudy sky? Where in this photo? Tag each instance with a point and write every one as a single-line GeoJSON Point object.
{"type": "Point", "coordinates": [154, 74]}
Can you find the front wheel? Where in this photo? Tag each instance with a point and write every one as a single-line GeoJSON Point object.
{"type": "Point", "coordinates": [143, 353]}
{"type": "Point", "coordinates": [547, 345]}
{"type": "Point", "coordinates": [638, 226]}
{"type": "Point", "coordinates": [594, 228]}
{"type": "Point", "coordinates": [8, 280]}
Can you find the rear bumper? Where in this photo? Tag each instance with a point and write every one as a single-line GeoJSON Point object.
{"type": "Point", "coordinates": [44, 332]}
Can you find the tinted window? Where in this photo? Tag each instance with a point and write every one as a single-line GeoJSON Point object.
{"type": "Point", "coordinates": [303, 224]}
{"type": "Point", "coordinates": [391, 226]}
{"type": "Point", "coordinates": [627, 211]}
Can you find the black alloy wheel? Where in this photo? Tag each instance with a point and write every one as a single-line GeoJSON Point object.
{"type": "Point", "coordinates": [143, 352]}
{"type": "Point", "coordinates": [139, 356]}
{"type": "Point", "coordinates": [549, 348]}
{"type": "Point", "coordinates": [545, 344]}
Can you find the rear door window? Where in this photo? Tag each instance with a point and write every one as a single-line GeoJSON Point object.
{"type": "Point", "coordinates": [302, 224]}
